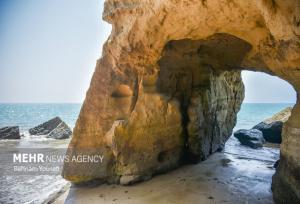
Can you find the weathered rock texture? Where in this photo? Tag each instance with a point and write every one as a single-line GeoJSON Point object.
{"type": "Point", "coordinates": [10, 132]}
{"type": "Point", "coordinates": [281, 116]}
{"type": "Point", "coordinates": [54, 128]}
{"type": "Point", "coordinates": [272, 127]}
{"type": "Point", "coordinates": [167, 88]}
{"type": "Point", "coordinates": [252, 138]}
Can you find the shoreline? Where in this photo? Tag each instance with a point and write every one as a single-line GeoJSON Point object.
{"type": "Point", "coordinates": [222, 178]}
{"type": "Point", "coordinates": [54, 197]}
{"type": "Point", "coordinates": [60, 194]}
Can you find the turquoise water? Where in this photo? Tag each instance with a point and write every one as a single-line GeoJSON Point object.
{"type": "Point", "coordinates": [253, 113]}
{"type": "Point", "coordinates": [29, 115]}
{"type": "Point", "coordinates": [37, 189]}
{"type": "Point", "coordinates": [250, 115]}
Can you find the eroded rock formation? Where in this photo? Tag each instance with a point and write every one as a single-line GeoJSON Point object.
{"type": "Point", "coordinates": [252, 138]}
{"type": "Point", "coordinates": [167, 88]}
{"type": "Point", "coordinates": [54, 128]}
{"type": "Point", "coordinates": [11, 132]}
{"type": "Point", "coordinates": [272, 127]}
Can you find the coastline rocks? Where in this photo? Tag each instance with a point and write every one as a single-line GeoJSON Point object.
{"type": "Point", "coordinates": [271, 132]}
{"type": "Point", "coordinates": [54, 128]}
{"type": "Point", "coordinates": [272, 127]}
{"type": "Point", "coordinates": [62, 131]}
{"type": "Point", "coordinates": [252, 138]}
{"type": "Point", "coordinates": [46, 127]}
{"type": "Point", "coordinates": [11, 132]}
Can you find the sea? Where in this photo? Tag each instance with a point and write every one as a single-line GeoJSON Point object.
{"type": "Point", "coordinates": [42, 188]}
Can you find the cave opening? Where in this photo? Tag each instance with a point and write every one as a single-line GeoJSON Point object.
{"type": "Point", "coordinates": [180, 109]}
{"type": "Point", "coordinates": [268, 101]}
{"type": "Point", "coordinates": [205, 76]}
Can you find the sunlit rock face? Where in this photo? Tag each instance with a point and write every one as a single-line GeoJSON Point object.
{"type": "Point", "coordinates": [167, 88]}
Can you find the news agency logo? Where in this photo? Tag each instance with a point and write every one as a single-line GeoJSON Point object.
{"type": "Point", "coordinates": [28, 158]}
{"type": "Point", "coordinates": [42, 158]}
{"type": "Point", "coordinates": [49, 161]}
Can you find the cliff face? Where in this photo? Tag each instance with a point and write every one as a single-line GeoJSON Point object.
{"type": "Point", "coordinates": [167, 88]}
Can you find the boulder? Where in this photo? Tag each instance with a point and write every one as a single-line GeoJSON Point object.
{"type": "Point", "coordinates": [11, 132]}
{"type": "Point", "coordinates": [272, 127]}
{"type": "Point", "coordinates": [271, 132]}
{"type": "Point", "coordinates": [46, 127]}
{"type": "Point", "coordinates": [54, 128]}
{"type": "Point", "coordinates": [62, 131]}
{"type": "Point", "coordinates": [252, 138]}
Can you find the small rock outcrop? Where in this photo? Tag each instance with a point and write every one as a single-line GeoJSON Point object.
{"type": "Point", "coordinates": [11, 132]}
{"type": "Point", "coordinates": [62, 131]}
{"type": "Point", "coordinates": [54, 128]}
{"type": "Point", "coordinates": [272, 127]}
{"type": "Point", "coordinates": [130, 179]}
{"type": "Point", "coordinates": [271, 132]}
{"type": "Point", "coordinates": [252, 138]}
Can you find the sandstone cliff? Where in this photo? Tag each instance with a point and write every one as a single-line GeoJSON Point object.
{"type": "Point", "coordinates": [167, 88]}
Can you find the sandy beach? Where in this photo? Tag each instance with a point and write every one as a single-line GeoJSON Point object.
{"type": "Point", "coordinates": [223, 178]}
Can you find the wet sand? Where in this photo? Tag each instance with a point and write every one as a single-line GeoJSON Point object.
{"type": "Point", "coordinates": [223, 178]}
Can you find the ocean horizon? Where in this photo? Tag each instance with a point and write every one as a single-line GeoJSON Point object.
{"type": "Point", "coordinates": [28, 115]}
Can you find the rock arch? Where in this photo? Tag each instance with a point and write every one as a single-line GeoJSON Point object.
{"type": "Point", "coordinates": [167, 88]}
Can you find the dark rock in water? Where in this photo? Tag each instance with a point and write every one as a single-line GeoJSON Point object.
{"type": "Point", "coordinates": [252, 138]}
{"type": "Point", "coordinates": [45, 128]}
{"type": "Point", "coordinates": [10, 132]}
{"type": "Point", "coordinates": [276, 164]}
{"type": "Point", "coordinates": [54, 128]}
{"type": "Point", "coordinates": [272, 127]}
{"type": "Point", "coordinates": [62, 131]}
{"type": "Point", "coordinates": [271, 132]}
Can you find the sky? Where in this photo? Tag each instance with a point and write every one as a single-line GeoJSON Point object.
{"type": "Point", "coordinates": [264, 88]}
{"type": "Point", "coordinates": [49, 48]}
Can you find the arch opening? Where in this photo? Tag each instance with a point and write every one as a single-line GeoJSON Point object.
{"type": "Point", "coordinates": [180, 110]}
{"type": "Point", "coordinates": [205, 77]}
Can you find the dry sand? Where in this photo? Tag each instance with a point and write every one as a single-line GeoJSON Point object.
{"type": "Point", "coordinates": [223, 178]}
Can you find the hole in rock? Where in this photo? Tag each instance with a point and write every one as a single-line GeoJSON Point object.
{"type": "Point", "coordinates": [265, 96]}
{"type": "Point", "coordinates": [206, 78]}
{"type": "Point", "coordinates": [161, 156]}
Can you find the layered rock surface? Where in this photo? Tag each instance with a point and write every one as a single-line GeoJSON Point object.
{"type": "Point", "coordinates": [11, 132]}
{"type": "Point", "coordinates": [54, 128]}
{"type": "Point", "coordinates": [167, 88]}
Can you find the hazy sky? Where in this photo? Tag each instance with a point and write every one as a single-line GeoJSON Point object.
{"type": "Point", "coordinates": [49, 48]}
{"type": "Point", "coordinates": [263, 88]}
